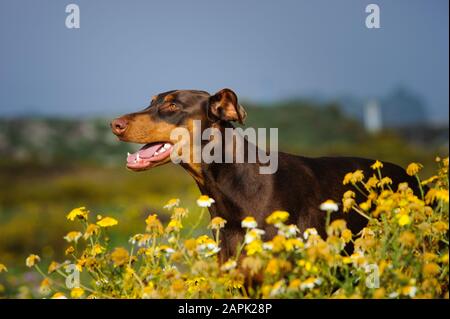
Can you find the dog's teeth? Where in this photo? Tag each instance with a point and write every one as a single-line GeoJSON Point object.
{"type": "Point", "coordinates": [128, 154]}
{"type": "Point", "coordinates": [156, 153]}
{"type": "Point", "coordinates": [137, 157]}
{"type": "Point", "coordinates": [166, 146]}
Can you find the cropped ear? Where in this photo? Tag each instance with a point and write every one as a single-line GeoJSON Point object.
{"type": "Point", "coordinates": [224, 106]}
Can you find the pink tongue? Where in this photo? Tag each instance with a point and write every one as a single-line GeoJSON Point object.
{"type": "Point", "coordinates": [145, 152]}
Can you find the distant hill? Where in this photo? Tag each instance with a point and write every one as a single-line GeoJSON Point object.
{"type": "Point", "coordinates": [401, 107]}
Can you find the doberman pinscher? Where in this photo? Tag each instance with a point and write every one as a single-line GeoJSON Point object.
{"type": "Point", "coordinates": [299, 185]}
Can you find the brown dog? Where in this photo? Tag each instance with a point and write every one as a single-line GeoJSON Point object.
{"type": "Point", "coordinates": [299, 186]}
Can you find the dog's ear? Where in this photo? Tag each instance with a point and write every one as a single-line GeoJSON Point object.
{"type": "Point", "coordinates": [224, 106]}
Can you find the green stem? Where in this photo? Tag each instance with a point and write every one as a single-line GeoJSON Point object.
{"type": "Point", "coordinates": [199, 220]}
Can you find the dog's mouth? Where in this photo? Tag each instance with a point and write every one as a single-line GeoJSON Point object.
{"type": "Point", "coordinates": [149, 155]}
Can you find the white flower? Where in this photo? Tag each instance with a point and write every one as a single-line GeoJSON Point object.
{"type": "Point", "coordinates": [205, 201]}
{"type": "Point", "coordinates": [172, 203]}
{"type": "Point", "coordinates": [253, 234]}
{"type": "Point", "coordinates": [213, 251]}
{"type": "Point", "coordinates": [329, 206]}
{"type": "Point", "coordinates": [167, 249]}
{"type": "Point", "coordinates": [310, 283]}
{"type": "Point", "coordinates": [249, 222]}
{"type": "Point", "coordinates": [73, 236]}
{"type": "Point", "coordinates": [410, 291]}
{"type": "Point", "coordinates": [309, 232]}
{"type": "Point", "coordinates": [288, 231]}
{"type": "Point", "coordinates": [278, 288]}
{"type": "Point", "coordinates": [393, 294]}
{"type": "Point", "coordinates": [230, 264]}
{"type": "Point", "coordinates": [268, 246]}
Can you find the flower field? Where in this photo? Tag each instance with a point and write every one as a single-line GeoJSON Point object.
{"type": "Point", "coordinates": [402, 253]}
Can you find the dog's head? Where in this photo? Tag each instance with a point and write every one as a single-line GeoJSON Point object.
{"type": "Point", "coordinates": [168, 111]}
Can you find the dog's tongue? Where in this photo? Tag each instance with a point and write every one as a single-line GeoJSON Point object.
{"type": "Point", "coordinates": [145, 152]}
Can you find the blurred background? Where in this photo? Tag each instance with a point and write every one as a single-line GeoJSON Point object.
{"type": "Point", "coordinates": [310, 68]}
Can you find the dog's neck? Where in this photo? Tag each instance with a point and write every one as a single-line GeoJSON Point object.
{"type": "Point", "coordinates": [225, 182]}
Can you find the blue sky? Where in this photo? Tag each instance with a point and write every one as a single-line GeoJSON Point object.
{"type": "Point", "coordinates": [127, 51]}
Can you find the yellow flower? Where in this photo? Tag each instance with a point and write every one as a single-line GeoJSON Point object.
{"type": "Point", "coordinates": [97, 249]}
{"type": "Point", "coordinates": [376, 165]}
{"type": "Point", "coordinates": [440, 226]}
{"type": "Point", "coordinates": [194, 283]}
{"type": "Point", "coordinates": [293, 243]}
{"type": "Point", "coordinates": [365, 206]}
{"type": "Point", "coordinates": [91, 230]}
{"type": "Point", "coordinates": [347, 260]}
{"type": "Point", "coordinates": [205, 201]}
{"type": "Point", "coordinates": [190, 244]}
{"type": "Point", "coordinates": [329, 206]}
{"type": "Point", "coordinates": [407, 238]}
{"type": "Point", "coordinates": [217, 223]}
{"type": "Point", "coordinates": [277, 216]}
{"type": "Point", "coordinates": [80, 212]}
{"type": "Point", "coordinates": [70, 250]}
{"type": "Point", "coordinates": [207, 246]}
{"type": "Point", "coordinates": [3, 268]}
{"type": "Point", "coordinates": [355, 177]}
{"type": "Point", "coordinates": [107, 222]}
{"type": "Point", "coordinates": [229, 265]}
{"type": "Point", "coordinates": [59, 295]}
{"type": "Point", "coordinates": [430, 269]}
{"type": "Point", "coordinates": [294, 284]}
{"type": "Point", "coordinates": [44, 288]}
{"type": "Point", "coordinates": [379, 293]}
{"type": "Point", "coordinates": [249, 222]}
{"type": "Point", "coordinates": [154, 225]}
{"type": "Point", "coordinates": [272, 267]}
{"type": "Point", "coordinates": [429, 180]}
{"type": "Point", "coordinates": [371, 183]}
{"type": "Point", "coordinates": [32, 260]}
{"type": "Point", "coordinates": [413, 169]}
{"type": "Point", "coordinates": [73, 236]}
{"type": "Point", "coordinates": [172, 203]}
{"type": "Point", "coordinates": [174, 226]}
{"type": "Point", "coordinates": [409, 291]}
{"type": "Point", "coordinates": [404, 220]}
{"type": "Point", "coordinates": [76, 292]}
{"type": "Point", "coordinates": [347, 235]}
{"type": "Point", "coordinates": [337, 226]}
{"type": "Point", "coordinates": [179, 212]}
{"type": "Point", "coordinates": [148, 291]}
{"type": "Point", "coordinates": [120, 256]}
{"type": "Point", "coordinates": [53, 267]}
{"type": "Point", "coordinates": [254, 247]}
{"type": "Point", "coordinates": [234, 284]}
{"type": "Point", "coordinates": [442, 194]}
{"type": "Point", "coordinates": [178, 285]}
{"type": "Point", "coordinates": [385, 181]}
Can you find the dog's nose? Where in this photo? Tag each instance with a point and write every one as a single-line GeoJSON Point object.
{"type": "Point", "coordinates": [119, 125]}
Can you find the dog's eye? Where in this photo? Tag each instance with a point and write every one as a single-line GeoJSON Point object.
{"type": "Point", "coordinates": [172, 107]}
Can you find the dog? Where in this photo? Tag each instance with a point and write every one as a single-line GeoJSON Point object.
{"type": "Point", "coordinates": [299, 185]}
